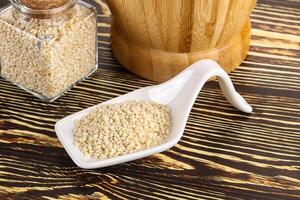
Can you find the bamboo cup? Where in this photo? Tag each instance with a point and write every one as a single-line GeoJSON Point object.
{"type": "Point", "coordinates": [157, 39]}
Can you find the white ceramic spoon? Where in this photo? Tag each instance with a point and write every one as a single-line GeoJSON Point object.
{"type": "Point", "coordinates": [179, 94]}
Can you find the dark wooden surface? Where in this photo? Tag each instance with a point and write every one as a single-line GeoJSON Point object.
{"type": "Point", "coordinates": [224, 154]}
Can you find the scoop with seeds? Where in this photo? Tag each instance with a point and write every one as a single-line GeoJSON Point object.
{"type": "Point", "coordinates": [118, 129]}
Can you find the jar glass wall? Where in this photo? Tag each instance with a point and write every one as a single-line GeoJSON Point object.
{"type": "Point", "coordinates": [47, 51]}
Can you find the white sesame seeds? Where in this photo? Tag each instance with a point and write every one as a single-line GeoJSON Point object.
{"type": "Point", "coordinates": [118, 129]}
{"type": "Point", "coordinates": [47, 56]}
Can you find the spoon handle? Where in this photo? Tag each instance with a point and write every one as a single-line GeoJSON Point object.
{"type": "Point", "coordinates": [194, 77]}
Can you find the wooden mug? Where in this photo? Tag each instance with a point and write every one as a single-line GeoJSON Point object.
{"type": "Point", "coordinates": [156, 39]}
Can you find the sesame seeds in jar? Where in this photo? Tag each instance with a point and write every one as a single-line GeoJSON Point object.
{"type": "Point", "coordinates": [47, 54]}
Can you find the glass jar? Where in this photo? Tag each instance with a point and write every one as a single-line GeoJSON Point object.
{"type": "Point", "coordinates": [46, 49]}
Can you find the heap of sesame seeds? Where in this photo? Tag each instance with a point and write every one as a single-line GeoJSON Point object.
{"type": "Point", "coordinates": [118, 129]}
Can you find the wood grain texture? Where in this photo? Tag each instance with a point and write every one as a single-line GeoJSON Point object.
{"type": "Point", "coordinates": [158, 39]}
{"type": "Point", "coordinates": [224, 154]}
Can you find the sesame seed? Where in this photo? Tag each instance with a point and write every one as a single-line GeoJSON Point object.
{"type": "Point", "coordinates": [134, 128]}
{"type": "Point", "coordinates": [47, 56]}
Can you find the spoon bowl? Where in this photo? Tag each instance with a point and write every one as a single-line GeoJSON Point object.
{"type": "Point", "coordinates": [179, 94]}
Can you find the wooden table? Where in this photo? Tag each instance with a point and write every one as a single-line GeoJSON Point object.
{"type": "Point", "coordinates": [224, 154]}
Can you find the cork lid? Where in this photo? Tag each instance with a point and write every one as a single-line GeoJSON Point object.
{"type": "Point", "coordinates": [43, 4]}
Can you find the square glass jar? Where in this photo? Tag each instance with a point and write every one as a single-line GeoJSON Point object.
{"type": "Point", "coordinates": [47, 51]}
